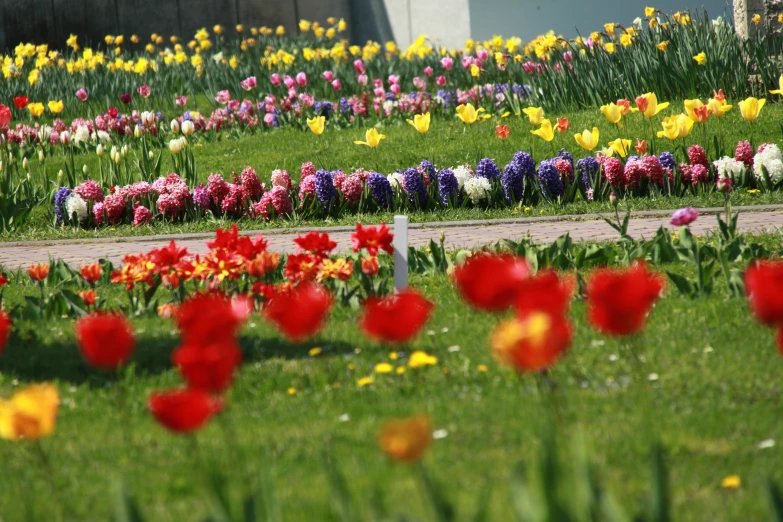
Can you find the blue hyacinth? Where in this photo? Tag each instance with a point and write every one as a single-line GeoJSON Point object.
{"type": "Point", "coordinates": [324, 187]}
{"type": "Point", "coordinates": [345, 106]}
{"type": "Point", "coordinates": [59, 203]}
{"type": "Point", "coordinates": [323, 108]}
{"type": "Point", "coordinates": [513, 183]}
{"type": "Point", "coordinates": [549, 179]}
{"type": "Point", "coordinates": [632, 157]}
{"type": "Point", "coordinates": [448, 186]}
{"type": "Point", "coordinates": [380, 189]}
{"type": "Point", "coordinates": [444, 95]}
{"type": "Point", "coordinates": [589, 168]}
{"type": "Point", "coordinates": [523, 164]}
{"type": "Point", "coordinates": [667, 160]}
{"type": "Point", "coordinates": [426, 168]}
{"type": "Point", "coordinates": [487, 168]}
{"type": "Point", "coordinates": [414, 186]}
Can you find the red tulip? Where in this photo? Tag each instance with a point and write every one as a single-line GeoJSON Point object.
{"type": "Point", "coordinates": [373, 238]}
{"type": "Point", "coordinates": [21, 102]}
{"type": "Point", "coordinates": [315, 243]}
{"type": "Point", "coordinates": [185, 410]}
{"type": "Point", "coordinates": [5, 329]}
{"type": "Point", "coordinates": [491, 282]}
{"type": "Point", "coordinates": [619, 300]}
{"type": "Point", "coordinates": [105, 340]}
{"type": "Point", "coordinates": [38, 272]}
{"type": "Point", "coordinates": [396, 318]}
{"type": "Point", "coordinates": [88, 296]}
{"type": "Point", "coordinates": [300, 313]}
{"type": "Point", "coordinates": [91, 273]}
{"type": "Point", "coordinates": [208, 318]}
{"type": "Point", "coordinates": [545, 292]}
{"type": "Point", "coordinates": [208, 367]}
{"type": "Point", "coordinates": [533, 342]}
{"type": "Point", "coordinates": [5, 116]}
{"type": "Point", "coordinates": [764, 286]}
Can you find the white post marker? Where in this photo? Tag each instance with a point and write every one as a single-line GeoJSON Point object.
{"type": "Point", "coordinates": [400, 244]}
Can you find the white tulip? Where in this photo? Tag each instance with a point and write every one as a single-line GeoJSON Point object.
{"type": "Point", "coordinates": [175, 126]}
{"type": "Point", "coordinates": [188, 128]}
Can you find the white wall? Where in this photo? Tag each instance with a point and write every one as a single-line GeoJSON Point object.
{"type": "Point", "coordinates": [446, 21]}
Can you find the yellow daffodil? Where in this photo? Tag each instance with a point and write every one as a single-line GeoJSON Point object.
{"type": "Point", "coordinates": [648, 104]}
{"type": "Point", "coordinates": [36, 109]}
{"type": "Point", "coordinates": [756, 19]}
{"type": "Point", "coordinates": [588, 140]}
{"type": "Point", "coordinates": [751, 107]}
{"type": "Point", "coordinates": [304, 26]}
{"type": "Point", "coordinates": [701, 58]}
{"type": "Point", "coordinates": [649, 12]}
{"type": "Point", "coordinates": [30, 413]}
{"type": "Point", "coordinates": [718, 107]}
{"type": "Point", "coordinates": [317, 124]}
{"type": "Point", "coordinates": [626, 40]}
{"type": "Point", "coordinates": [545, 132]}
{"type": "Point", "coordinates": [779, 90]}
{"type": "Point", "coordinates": [621, 146]}
{"type": "Point", "coordinates": [674, 127]}
{"type": "Point", "coordinates": [421, 122]}
{"type": "Point", "coordinates": [663, 45]}
{"type": "Point", "coordinates": [373, 138]}
{"type": "Point", "coordinates": [610, 48]}
{"type": "Point", "coordinates": [609, 28]}
{"type": "Point", "coordinates": [613, 113]}
{"type": "Point", "coordinates": [534, 114]}
{"type": "Point", "coordinates": [469, 115]}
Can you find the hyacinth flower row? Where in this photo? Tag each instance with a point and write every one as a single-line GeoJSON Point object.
{"type": "Point", "coordinates": [424, 187]}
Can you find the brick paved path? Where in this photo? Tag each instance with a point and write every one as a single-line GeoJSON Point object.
{"type": "Point", "coordinates": [458, 235]}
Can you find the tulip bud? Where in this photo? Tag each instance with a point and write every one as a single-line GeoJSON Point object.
{"type": "Point", "coordinates": [99, 151]}
{"type": "Point", "coordinates": [124, 150]}
{"type": "Point", "coordinates": [723, 185]}
{"type": "Point", "coordinates": [1, 166]}
{"type": "Point", "coordinates": [40, 156]}
{"type": "Point", "coordinates": [188, 128]}
{"type": "Point", "coordinates": [25, 164]}
{"type": "Point", "coordinates": [29, 177]}
{"type": "Point", "coordinates": [11, 159]}
{"type": "Point", "coordinates": [113, 151]}
{"type": "Point", "coordinates": [613, 200]}
{"type": "Point", "coordinates": [150, 155]}
{"type": "Point", "coordinates": [137, 132]}
{"type": "Point", "coordinates": [85, 170]}
{"type": "Point", "coordinates": [117, 159]}
{"type": "Point", "coordinates": [65, 138]}
{"type": "Point", "coordinates": [175, 146]}
{"type": "Point", "coordinates": [60, 176]}
{"type": "Point", "coordinates": [175, 126]}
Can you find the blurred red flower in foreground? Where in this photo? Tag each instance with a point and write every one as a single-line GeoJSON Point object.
{"type": "Point", "coordinates": [620, 300]}
{"type": "Point", "coordinates": [764, 286]}
{"type": "Point", "coordinates": [533, 342]}
{"type": "Point", "coordinates": [208, 318]}
{"type": "Point", "coordinates": [405, 440]}
{"type": "Point", "coordinates": [5, 329]}
{"type": "Point", "coordinates": [396, 318]}
{"type": "Point", "coordinates": [185, 410]}
{"type": "Point", "coordinates": [491, 282]}
{"type": "Point", "coordinates": [545, 291]}
{"type": "Point", "coordinates": [300, 313]}
{"type": "Point", "coordinates": [209, 367]}
{"type": "Point", "coordinates": [373, 238]}
{"type": "Point", "coordinates": [105, 340]}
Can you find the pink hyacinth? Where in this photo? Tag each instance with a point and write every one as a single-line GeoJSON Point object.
{"type": "Point", "coordinates": [613, 170]}
{"type": "Point", "coordinates": [337, 85]}
{"type": "Point", "coordinates": [249, 83]}
{"type": "Point", "coordinates": [252, 188]}
{"type": "Point", "coordinates": [447, 62]}
{"type": "Point", "coordinates": [328, 76]}
{"type": "Point", "coordinates": [308, 169]}
{"type": "Point", "coordinates": [97, 213]}
{"type": "Point", "coordinates": [744, 153]}
{"type": "Point", "coordinates": [684, 217]}
{"type": "Point", "coordinates": [697, 155]}
{"type": "Point", "coordinates": [653, 170]}
{"type": "Point", "coordinates": [141, 216]}
{"type": "Point", "coordinates": [114, 207]}
{"type": "Point", "coordinates": [352, 188]}
{"type": "Point", "coordinates": [633, 172]}
{"type": "Point", "coordinates": [362, 174]}
{"type": "Point", "coordinates": [358, 65]}
{"type": "Point", "coordinates": [278, 199]}
{"type": "Point", "coordinates": [338, 178]}
{"type": "Point", "coordinates": [144, 91]}
{"type": "Point", "coordinates": [223, 96]}
{"type": "Point", "coordinates": [685, 171]}
{"type": "Point", "coordinates": [82, 94]}
{"type": "Point", "coordinates": [699, 174]}
{"type": "Point", "coordinates": [301, 79]}
{"type": "Point", "coordinates": [90, 191]}
{"type": "Point", "coordinates": [180, 101]}
{"type": "Point", "coordinates": [280, 178]}
{"type": "Point", "coordinates": [274, 79]}
{"type": "Point", "coordinates": [564, 168]}
{"type": "Point", "coordinates": [307, 187]}
{"type": "Point", "coordinates": [218, 188]}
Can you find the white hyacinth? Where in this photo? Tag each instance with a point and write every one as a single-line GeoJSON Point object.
{"type": "Point", "coordinates": [477, 189]}
{"type": "Point", "coordinates": [395, 180]}
{"type": "Point", "coordinates": [462, 173]}
{"type": "Point", "coordinates": [82, 134]}
{"type": "Point", "coordinates": [728, 167]}
{"type": "Point", "coordinates": [74, 204]}
{"type": "Point", "coordinates": [772, 160]}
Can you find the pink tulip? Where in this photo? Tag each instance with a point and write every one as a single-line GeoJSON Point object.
{"type": "Point", "coordinates": [292, 93]}
{"type": "Point", "coordinates": [328, 76]}
{"type": "Point", "coordinates": [359, 66]}
{"type": "Point", "coordinates": [288, 81]}
{"type": "Point", "coordinates": [301, 79]}
{"type": "Point", "coordinates": [467, 61]}
{"type": "Point", "coordinates": [144, 91]}
{"type": "Point", "coordinates": [420, 83]}
{"type": "Point", "coordinates": [379, 91]}
{"type": "Point", "coordinates": [337, 85]}
{"type": "Point", "coordinates": [684, 217]}
{"type": "Point", "coordinates": [441, 80]}
{"type": "Point", "coordinates": [269, 118]}
{"type": "Point", "coordinates": [377, 83]}
{"type": "Point", "coordinates": [275, 79]}
{"type": "Point", "coordinates": [223, 97]}
{"type": "Point", "coordinates": [428, 71]}
{"type": "Point", "coordinates": [396, 89]}
{"type": "Point", "coordinates": [270, 100]}
{"type": "Point", "coordinates": [180, 101]}
{"type": "Point", "coordinates": [393, 78]}
{"type": "Point", "coordinates": [248, 83]}
{"type": "Point", "coordinates": [447, 63]}
{"type": "Point", "coordinates": [82, 94]}
{"type": "Point", "coordinates": [482, 54]}
{"type": "Point", "coordinates": [233, 105]}
{"type": "Point", "coordinates": [362, 79]}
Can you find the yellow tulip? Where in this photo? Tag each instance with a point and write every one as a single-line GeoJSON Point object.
{"type": "Point", "coordinates": [751, 107]}
{"type": "Point", "coordinates": [36, 109]}
{"type": "Point", "coordinates": [648, 104]}
{"type": "Point", "coordinates": [718, 107]}
{"type": "Point", "coordinates": [613, 113]}
{"type": "Point", "coordinates": [679, 126]}
{"type": "Point", "coordinates": [421, 122]}
{"type": "Point", "coordinates": [317, 124]}
{"type": "Point", "coordinates": [606, 152]}
{"type": "Point", "coordinates": [468, 114]}
{"type": "Point", "coordinates": [373, 138]}
{"type": "Point", "coordinates": [691, 106]}
{"type": "Point", "coordinates": [534, 114]}
{"type": "Point", "coordinates": [779, 90]}
{"type": "Point", "coordinates": [701, 58]}
{"type": "Point", "coordinates": [545, 132]}
{"type": "Point", "coordinates": [55, 107]}
{"type": "Point", "coordinates": [621, 146]}
{"type": "Point", "coordinates": [474, 70]}
{"type": "Point", "coordinates": [30, 413]}
{"type": "Point", "coordinates": [588, 140]}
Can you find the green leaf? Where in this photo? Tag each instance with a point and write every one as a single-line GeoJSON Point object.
{"type": "Point", "coordinates": [341, 499]}
{"type": "Point", "coordinates": [685, 287]}
{"type": "Point", "coordinates": [775, 500]}
{"type": "Point", "coordinates": [126, 509]}
{"type": "Point", "coordinates": [444, 511]}
{"type": "Point", "coordinates": [658, 507]}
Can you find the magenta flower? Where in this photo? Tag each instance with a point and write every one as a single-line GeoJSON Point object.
{"type": "Point", "coordinates": [275, 79]}
{"type": "Point", "coordinates": [144, 91]}
{"type": "Point", "coordinates": [337, 85]}
{"type": "Point", "coordinates": [420, 83]}
{"type": "Point", "coordinates": [126, 98]}
{"type": "Point", "coordinates": [328, 76]}
{"type": "Point", "coordinates": [248, 84]}
{"type": "Point", "coordinates": [428, 71]}
{"type": "Point", "coordinates": [447, 62]}
{"type": "Point", "coordinates": [362, 79]}
{"type": "Point", "coordinates": [393, 78]}
{"type": "Point", "coordinates": [358, 65]}
{"type": "Point", "coordinates": [396, 89]}
{"type": "Point", "coordinates": [223, 97]}
{"type": "Point", "coordinates": [482, 54]}
{"type": "Point", "coordinates": [289, 82]}
{"type": "Point", "coordinates": [684, 217]}
{"type": "Point", "coordinates": [181, 101]}
{"type": "Point", "coordinates": [441, 80]}
{"type": "Point", "coordinates": [82, 94]}
{"type": "Point", "coordinates": [301, 79]}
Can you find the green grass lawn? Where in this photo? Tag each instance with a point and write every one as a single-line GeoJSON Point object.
{"type": "Point", "coordinates": [446, 144]}
{"type": "Point", "coordinates": [716, 397]}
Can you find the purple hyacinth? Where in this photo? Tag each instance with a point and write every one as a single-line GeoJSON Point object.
{"type": "Point", "coordinates": [549, 179]}
{"type": "Point", "coordinates": [380, 189]}
{"type": "Point", "coordinates": [200, 196]}
{"type": "Point", "coordinates": [59, 203]}
{"type": "Point", "coordinates": [323, 108]}
{"type": "Point", "coordinates": [487, 168]}
{"type": "Point", "coordinates": [564, 154]}
{"type": "Point", "coordinates": [448, 186]}
{"type": "Point", "coordinates": [414, 186]}
{"type": "Point", "coordinates": [345, 106]}
{"type": "Point", "coordinates": [426, 168]}
{"type": "Point", "coordinates": [667, 160]}
{"type": "Point", "coordinates": [444, 95]}
{"type": "Point", "coordinates": [513, 183]}
{"type": "Point", "coordinates": [324, 187]}
{"type": "Point", "coordinates": [589, 168]}
{"type": "Point", "coordinates": [523, 164]}
{"type": "Point", "coordinates": [632, 157]}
